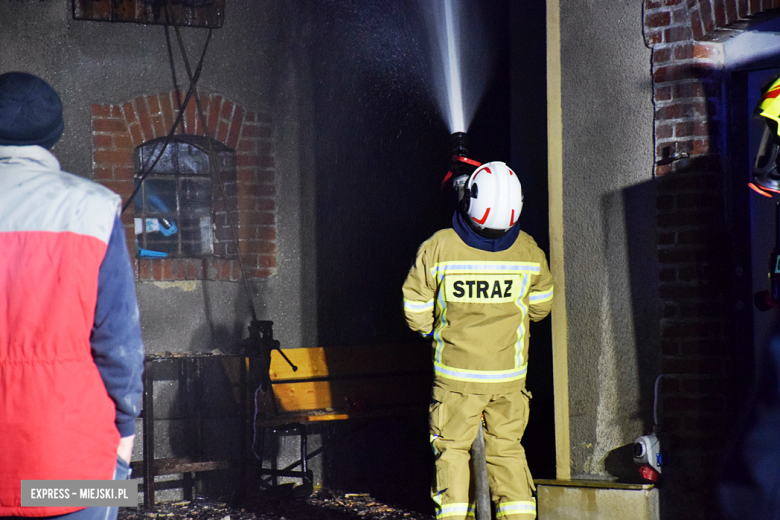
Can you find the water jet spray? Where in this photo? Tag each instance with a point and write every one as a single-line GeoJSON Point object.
{"type": "Point", "coordinates": [460, 74]}
{"type": "Point", "coordinates": [461, 60]}
{"type": "Point", "coordinates": [452, 71]}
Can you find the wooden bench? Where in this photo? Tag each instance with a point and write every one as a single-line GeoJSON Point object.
{"type": "Point", "coordinates": [338, 384]}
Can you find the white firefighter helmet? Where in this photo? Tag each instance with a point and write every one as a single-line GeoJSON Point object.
{"type": "Point", "coordinates": [493, 197]}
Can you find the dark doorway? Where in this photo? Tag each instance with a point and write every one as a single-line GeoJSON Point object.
{"type": "Point", "coordinates": [752, 219]}
{"type": "Point", "coordinates": [753, 223]}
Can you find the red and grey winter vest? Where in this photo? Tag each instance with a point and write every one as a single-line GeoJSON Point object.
{"type": "Point", "coordinates": [56, 418]}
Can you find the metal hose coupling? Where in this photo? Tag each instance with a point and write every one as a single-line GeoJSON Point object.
{"type": "Point", "coordinates": [461, 166]}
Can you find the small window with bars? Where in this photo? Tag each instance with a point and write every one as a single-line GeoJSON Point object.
{"type": "Point", "coordinates": [174, 207]}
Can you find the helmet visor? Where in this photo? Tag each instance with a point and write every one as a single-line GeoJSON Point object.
{"type": "Point", "coordinates": [766, 157]}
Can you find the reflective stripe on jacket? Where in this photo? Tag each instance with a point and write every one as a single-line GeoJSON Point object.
{"type": "Point", "coordinates": [476, 306]}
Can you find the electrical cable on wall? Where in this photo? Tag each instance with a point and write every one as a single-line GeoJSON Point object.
{"type": "Point", "coordinates": [258, 334]}
{"type": "Point", "coordinates": [647, 448]}
{"type": "Point", "coordinates": [212, 163]}
{"type": "Point", "coordinates": [145, 171]}
{"type": "Point", "coordinates": [176, 89]}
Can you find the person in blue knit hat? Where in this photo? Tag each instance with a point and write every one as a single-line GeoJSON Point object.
{"type": "Point", "coordinates": [71, 355]}
{"type": "Point", "coordinates": [30, 111]}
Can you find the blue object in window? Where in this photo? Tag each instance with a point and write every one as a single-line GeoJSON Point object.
{"type": "Point", "coordinates": [148, 253]}
{"type": "Point", "coordinates": [167, 227]}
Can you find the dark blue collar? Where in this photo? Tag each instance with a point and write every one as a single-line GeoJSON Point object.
{"type": "Point", "coordinates": [477, 241]}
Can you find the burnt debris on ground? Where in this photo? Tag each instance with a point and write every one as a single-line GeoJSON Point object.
{"type": "Point", "coordinates": [322, 505]}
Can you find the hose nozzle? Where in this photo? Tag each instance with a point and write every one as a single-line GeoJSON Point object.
{"type": "Point", "coordinates": [459, 143]}
{"type": "Point", "coordinates": [459, 153]}
{"type": "Point", "coordinates": [461, 166]}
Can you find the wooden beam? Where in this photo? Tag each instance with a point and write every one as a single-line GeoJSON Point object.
{"type": "Point", "coordinates": [184, 465]}
{"type": "Point", "coordinates": [555, 184]}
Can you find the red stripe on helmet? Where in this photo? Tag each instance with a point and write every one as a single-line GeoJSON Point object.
{"type": "Point", "coordinates": [759, 190]}
{"type": "Point", "coordinates": [772, 93]}
{"type": "Point", "coordinates": [484, 218]}
{"type": "Point", "coordinates": [512, 219]}
{"type": "Point", "coordinates": [485, 169]}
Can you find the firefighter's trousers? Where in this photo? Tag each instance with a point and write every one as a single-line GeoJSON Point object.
{"type": "Point", "coordinates": [453, 422]}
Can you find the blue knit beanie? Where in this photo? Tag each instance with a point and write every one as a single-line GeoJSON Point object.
{"type": "Point", "coordinates": [30, 111]}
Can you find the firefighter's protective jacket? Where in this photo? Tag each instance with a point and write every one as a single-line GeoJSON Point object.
{"type": "Point", "coordinates": [476, 306]}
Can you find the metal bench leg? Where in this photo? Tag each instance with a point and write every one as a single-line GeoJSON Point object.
{"type": "Point", "coordinates": [244, 430]}
{"type": "Point", "coordinates": [302, 431]}
{"type": "Point", "coordinates": [307, 479]}
{"type": "Point", "coordinates": [148, 439]}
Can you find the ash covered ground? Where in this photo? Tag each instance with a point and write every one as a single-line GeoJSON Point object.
{"type": "Point", "coordinates": [321, 505]}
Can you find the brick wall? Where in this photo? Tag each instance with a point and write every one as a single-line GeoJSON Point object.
{"type": "Point", "coordinates": [119, 128]}
{"type": "Point", "coordinates": [695, 407]}
{"type": "Point", "coordinates": [693, 250]}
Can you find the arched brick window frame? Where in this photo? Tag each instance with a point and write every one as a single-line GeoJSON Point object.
{"type": "Point", "coordinates": [118, 129]}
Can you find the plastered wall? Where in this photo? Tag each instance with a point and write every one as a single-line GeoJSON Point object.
{"type": "Point", "coordinates": [608, 230]}
{"type": "Point", "coordinates": [256, 59]}
{"type": "Point", "coordinates": [248, 59]}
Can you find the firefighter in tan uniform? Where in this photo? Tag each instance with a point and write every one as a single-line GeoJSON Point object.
{"type": "Point", "coordinates": [472, 290]}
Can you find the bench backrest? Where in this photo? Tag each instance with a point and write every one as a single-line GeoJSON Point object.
{"type": "Point", "coordinates": [352, 380]}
